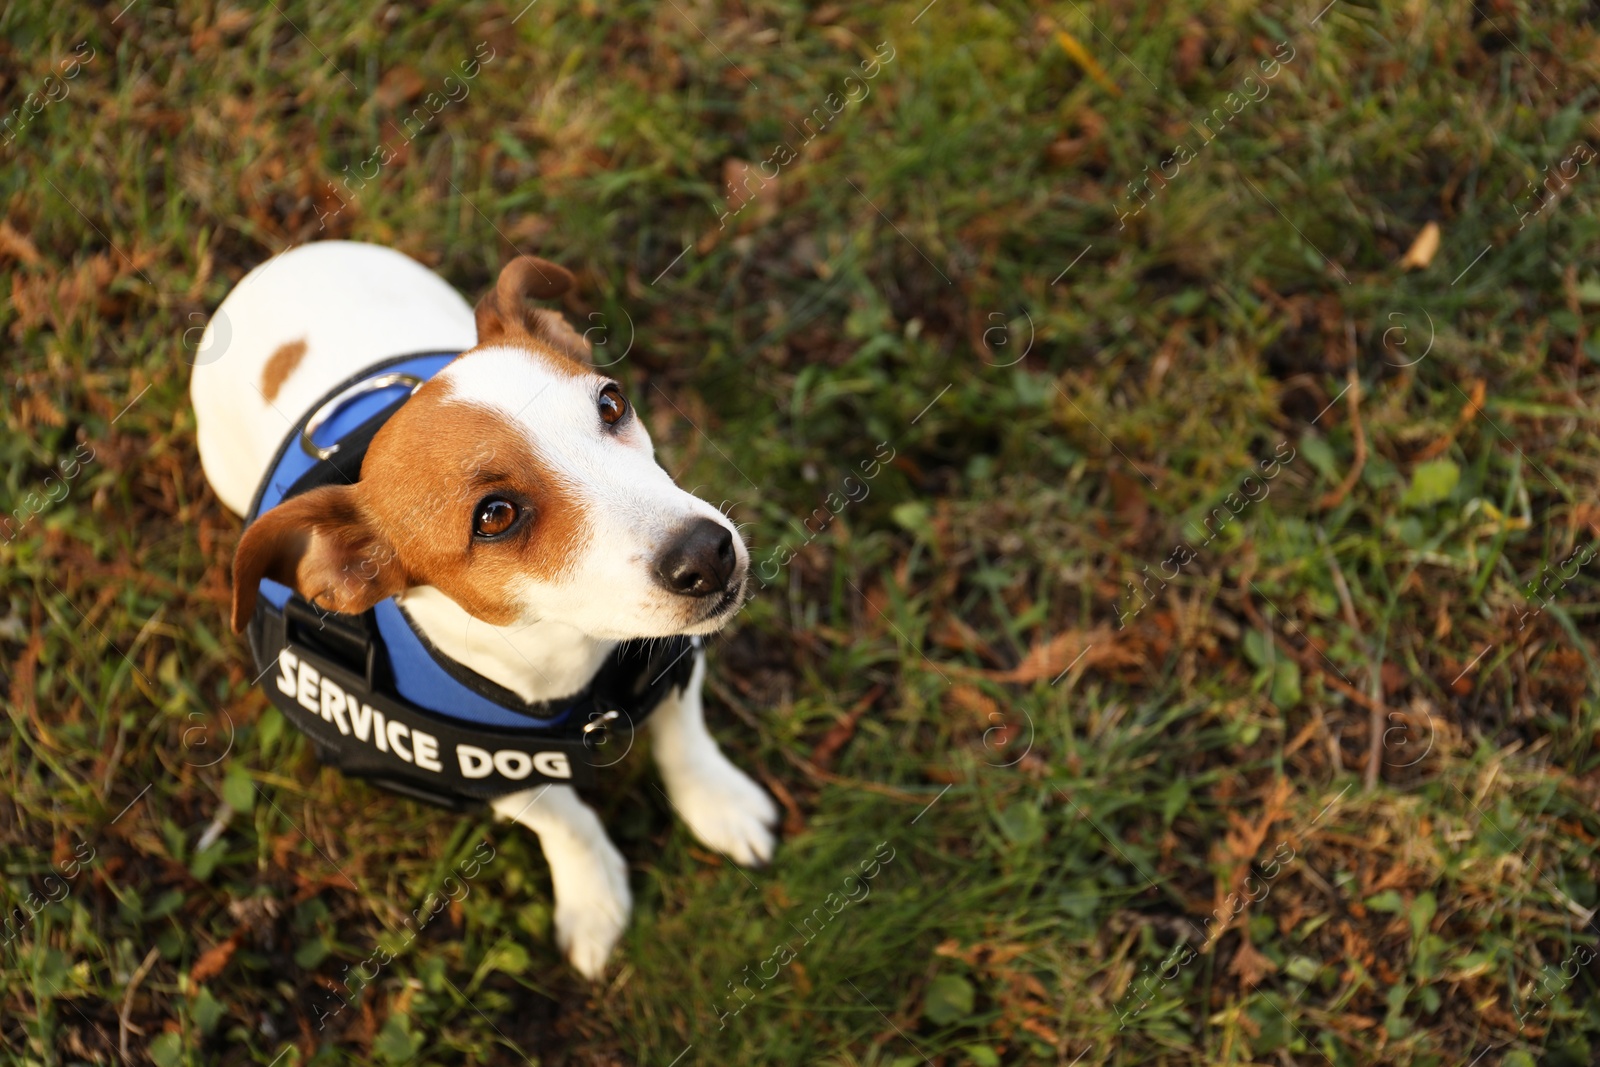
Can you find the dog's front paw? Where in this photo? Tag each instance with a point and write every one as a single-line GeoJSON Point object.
{"type": "Point", "coordinates": [726, 810]}
{"type": "Point", "coordinates": [592, 906]}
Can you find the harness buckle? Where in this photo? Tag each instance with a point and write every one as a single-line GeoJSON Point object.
{"type": "Point", "coordinates": [346, 639]}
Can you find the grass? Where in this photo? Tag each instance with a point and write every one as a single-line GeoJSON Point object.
{"type": "Point", "coordinates": [1175, 766]}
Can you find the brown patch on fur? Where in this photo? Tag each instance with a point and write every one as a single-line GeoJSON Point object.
{"type": "Point", "coordinates": [280, 366]}
{"type": "Point", "coordinates": [427, 470]}
{"type": "Point", "coordinates": [408, 521]}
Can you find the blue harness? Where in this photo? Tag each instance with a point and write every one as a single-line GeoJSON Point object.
{"type": "Point", "coordinates": [378, 701]}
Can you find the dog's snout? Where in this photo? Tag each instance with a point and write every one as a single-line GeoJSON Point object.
{"type": "Point", "coordinates": [700, 562]}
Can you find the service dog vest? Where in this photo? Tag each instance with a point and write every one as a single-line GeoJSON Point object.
{"type": "Point", "coordinates": [378, 701]}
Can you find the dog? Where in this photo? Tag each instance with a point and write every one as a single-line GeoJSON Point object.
{"type": "Point", "coordinates": [512, 506]}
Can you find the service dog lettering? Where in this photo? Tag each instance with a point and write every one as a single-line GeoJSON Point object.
{"type": "Point", "coordinates": [354, 717]}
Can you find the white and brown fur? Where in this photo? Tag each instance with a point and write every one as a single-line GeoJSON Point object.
{"type": "Point", "coordinates": [538, 612]}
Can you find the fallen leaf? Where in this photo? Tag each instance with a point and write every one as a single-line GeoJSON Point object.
{"type": "Point", "coordinates": [1040, 1030]}
{"type": "Point", "coordinates": [1084, 133]}
{"type": "Point", "coordinates": [1394, 678]}
{"type": "Point", "coordinates": [1587, 515]}
{"type": "Point", "coordinates": [978, 705]}
{"type": "Point", "coordinates": [745, 185]}
{"type": "Point", "coordinates": [802, 980]}
{"type": "Point", "coordinates": [399, 85]}
{"type": "Point", "coordinates": [17, 246]}
{"type": "Point", "coordinates": [233, 20]}
{"type": "Point", "coordinates": [1251, 966]}
{"type": "Point", "coordinates": [1190, 53]}
{"type": "Point", "coordinates": [1469, 411]}
{"type": "Point", "coordinates": [794, 821]}
{"type": "Point", "coordinates": [1244, 839]}
{"type": "Point", "coordinates": [1442, 626]}
{"type": "Point", "coordinates": [1128, 503]}
{"type": "Point", "coordinates": [958, 636]}
{"type": "Point", "coordinates": [1423, 249]}
{"type": "Point", "coordinates": [1097, 647]}
{"type": "Point", "coordinates": [1080, 55]}
{"type": "Point", "coordinates": [528, 230]}
{"type": "Point", "coordinates": [840, 733]}
{"type": "Point", "coordinates": [213, 959]}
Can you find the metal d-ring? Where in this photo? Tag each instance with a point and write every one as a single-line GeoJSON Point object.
{"type": "Point", "coordinates": [323, 413]}
{"type": "Point", "coordinates": [601, 723]}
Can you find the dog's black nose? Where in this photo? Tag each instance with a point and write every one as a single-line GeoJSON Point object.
{"type": "Point", "coordinates": [699, 562]}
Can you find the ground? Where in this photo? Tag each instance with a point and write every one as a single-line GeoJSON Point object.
{"type": "Point", "coordinates": [1167, 434]}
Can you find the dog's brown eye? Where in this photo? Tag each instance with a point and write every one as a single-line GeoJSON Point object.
{"type": "Point", "coordinates": [495, 516]}
{"type": "Point", "coordinates": [612, 405]}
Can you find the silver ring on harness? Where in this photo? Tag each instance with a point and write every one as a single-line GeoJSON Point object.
{"type": "Point", "coordinates": [599, 723]}
{"type": "Point", "coordinates": [323, 413]}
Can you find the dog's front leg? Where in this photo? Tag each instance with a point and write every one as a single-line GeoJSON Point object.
{"type": "Point", "coordinates": [586, 870]}
{"type": "Point", "coordinates": [721, 804]}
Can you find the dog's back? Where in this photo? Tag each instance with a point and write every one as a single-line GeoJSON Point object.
{"type": "Point", "coordinates": [294, 328]}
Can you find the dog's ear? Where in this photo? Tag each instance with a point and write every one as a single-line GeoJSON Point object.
{"type": "Point", "coordinates": [504, 310]}
{"type": "Point", "coordinates": [322, 545]}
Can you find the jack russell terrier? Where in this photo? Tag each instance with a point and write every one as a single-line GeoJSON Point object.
{"type": "Point", "coordinates": [461, 555]}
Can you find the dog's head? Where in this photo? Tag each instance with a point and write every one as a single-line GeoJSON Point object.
{"type": "Point", "coordinates": [521, 484]}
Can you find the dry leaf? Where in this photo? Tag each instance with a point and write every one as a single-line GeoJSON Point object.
{"type": "Point", "coordinates": [1587, 515]}
{"type": "Point", "coordinates": [1469, 411]}
{"type": "Point", "coordinates": [1250, 965]}
{"type": "Point", "coordinates": [1394, 678]}
{"type": "Point", "coordinates": [1128, 502]}
{"type": "Point", "coordinates": [212, 960]}
{"type": "Point", "coordinates": [1423, 249]}
{"type": "Point", "coordinates": [840, 733]}
{"type": "Point", "coordinates": [1191, 52]}
{"type": "Point", "coordinates": [529, 230]}
{"type": "Point", "coordinates": [234, 20]}
{"type": "Point", "coordinates": [973, 701]}
{"type": "Point", "coordinates": [1040, 1030]}
{"type": "Point", "coordinates": [399, 85]}
{"type": "Point", "coordinates": [745, 185]}
{"type": "Point", "coordinates": [957, 636]}
{"type": "Point", "coordinates": [1246, 836]}
{"type": "Point", "coordinates": [1097, 647]}
{"type": "Point", "coordinates": [1080, 55]}
{"type": "Point", "coordinates": [17, 246]}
